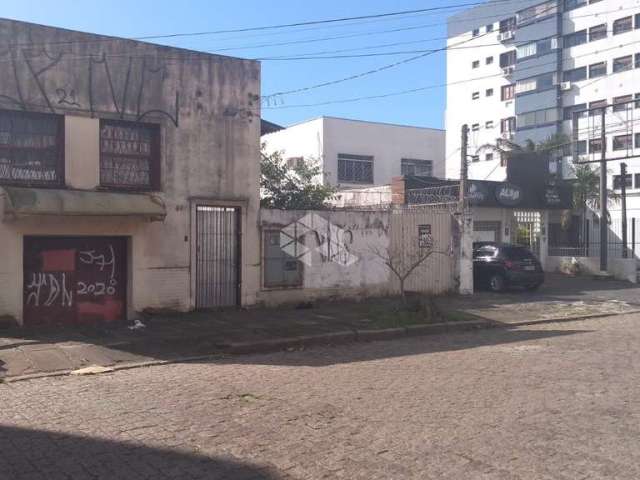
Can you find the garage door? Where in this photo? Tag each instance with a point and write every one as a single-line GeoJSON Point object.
{"type": "Point", "coordinates": [74, 280]}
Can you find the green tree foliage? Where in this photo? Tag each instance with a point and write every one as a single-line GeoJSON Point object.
{"type": "Point", "coordinates": [292, 188]}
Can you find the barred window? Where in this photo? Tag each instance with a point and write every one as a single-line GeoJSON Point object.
{"type": "Point", "coordinates": [129, 155]}
{"type": "Point", "coordinates": [355, 168]}
{"type": "Point", "coordinates": [31, 148]}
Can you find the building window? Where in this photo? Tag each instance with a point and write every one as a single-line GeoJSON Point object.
{"type": "Point", "coordinates": [281, 270]}
{"type": "Point", "coordinates": [622, 64]}
{"type": "Point", "coordinates": [412, 166]}
{"type": "Point", "coordinates": [527, 85]}
{"type": "Point", "coordinates": [581, 147]}
{"type": "Point", "coordinates": [475, 95]}
{"type": "Point", "coordinates": [569, 111]}
{"type": "Point", "coordinates": [622, 142]}
{"type": "Point", "coordinates": [537, 12]}
{"type": "Point", "coordinates": [295, 162]}
{"type": "Point", "coordinates": [595, 145]}
{"type": "Point", "coordinates": [488, 60]}
{"type": "Point", "coordinates": [575, 75]}
{"type": "Point", "coordinates": [355, 168]}
{"type": "Point", "coordinates": [597, 69]}
{"type": "Point", "coordinates": [637, 97]}
{"type": "Point", "coordinates": [622, 25]}
{"type": "Point", "coordinates": [475, 127]}
{"type": "Point", "coordinates": [637, 20]}
{"type": "Point", "coordinates": [475, 158]}
{"type": "Point", "coordinates": [508, 125]}
{"type": "Point", "coordinates": [475, 64]}
{"type": "Point", "coordinates": [129, 155]}
{"type": "Point", "coordinates": [488, 157]}
{"type": "Point", "coordinates": [527, 50]}
{"type": "Point", "coordinates": [508, 58]}
{"type": "Point", "coordinates": [475, 32]}
{"type": "Point", "coordinates": [489, 27]}
{"type": "Point", "coordinates": [574, 39]}
{"type": "Point", "coordinates": [507, 92]}
{"type": "Point", "coordinates": [597, 107]}
{"type": "Point", "coordinates": [623, 103]}
{"type": "Point", "coordinates": [537, 118]}
{"type": "Point", "coordinates": [31, 148]}
{"type": "Point", "coordinates": [489, 92]}
{"type": "Point", "coordinates": [617, 181]}
{"type": "Point", "coordinates": [573, 4]}
{"type": "Point", "coordinates": [637, 146]}
{"type": "Point", "coordinates": [488, 124]}
{"type": "Point", "coordinates": [598, 32]}
{"type": "Point", "coordinates": [508, 24]}
{"type": "Point", "coordinates": [637, 60]}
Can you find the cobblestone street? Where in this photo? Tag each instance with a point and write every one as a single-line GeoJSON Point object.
{"type": "Point", "coordinates": [554, 401]}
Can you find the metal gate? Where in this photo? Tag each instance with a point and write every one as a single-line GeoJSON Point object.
{"type": "Point", "coordinates": [527, 230]}
{"type": "Point", "coordinates": [74, 280]}
{"type": "Point", "coordinates": [217, 256]}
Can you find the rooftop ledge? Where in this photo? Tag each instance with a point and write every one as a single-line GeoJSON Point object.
{"type": "Point", "coordinates": [29, 202]}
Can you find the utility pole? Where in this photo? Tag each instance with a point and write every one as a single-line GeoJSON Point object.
{"type": "Point", "coordinates": [623, 187]}
{"type": "Point", "coordinates": [465, 258]}
{"type": "Point", "coordinates": [603, 194]}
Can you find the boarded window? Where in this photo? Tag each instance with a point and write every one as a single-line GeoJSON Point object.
{"type": "Point", "coordinates": [281, 268]}
{"type": "Point", "coordinates": [31, 150]}
{"type": "Point", "coordinates": [355, 168]}
{"type": "Point", "coordinates": [129, 155]}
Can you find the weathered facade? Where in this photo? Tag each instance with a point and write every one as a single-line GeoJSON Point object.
{"type": "Point", "coordinates": [129, 177]}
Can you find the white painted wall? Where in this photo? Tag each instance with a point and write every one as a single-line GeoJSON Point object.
{"type": "Point", "coordinates": [324, 138]}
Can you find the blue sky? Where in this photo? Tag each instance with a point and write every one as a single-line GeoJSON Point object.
{"type": "Point", "coordinates": [130, 18]}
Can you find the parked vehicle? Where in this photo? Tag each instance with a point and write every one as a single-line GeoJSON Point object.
{"type": "Point", "coordinates": [500, 266]}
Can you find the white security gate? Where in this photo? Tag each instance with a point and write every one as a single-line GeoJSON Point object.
{"type": "Point", "coordinates": [217, 256]}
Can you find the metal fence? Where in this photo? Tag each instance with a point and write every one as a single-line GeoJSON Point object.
{"type": "Point", "coordinates": [589, 244]}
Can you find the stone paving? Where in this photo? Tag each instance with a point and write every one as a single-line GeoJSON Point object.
{"type": "Point", "coordinates": [549, 401]}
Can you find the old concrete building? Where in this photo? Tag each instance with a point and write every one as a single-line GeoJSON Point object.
{"type": "Point", "coordinates": [129, 177]}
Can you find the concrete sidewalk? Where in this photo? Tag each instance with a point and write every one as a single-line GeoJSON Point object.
{"type": "Point", "coordinates": [172, 338]}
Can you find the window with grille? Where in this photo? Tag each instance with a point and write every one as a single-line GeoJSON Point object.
{"type": "Point", "coordinates": [412, 166]}
{"type": "Point", "coordinates": [129, 155]}
{"type": "Point", "coordinates": [31, 148]}
{"type": "Point", "coordinates": [623, 25]}
{"type": "Point", "coordinates": [355, 168]}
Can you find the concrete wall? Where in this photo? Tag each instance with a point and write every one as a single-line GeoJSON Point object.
{"type": "Point", "coordinates": [324, 138]}
{"type": "Point", "coordinates": [209, 115]}
{"type": "Point", "coordinates": [352, 266]}
{"type": "Point", "coordinates": [621, 268]}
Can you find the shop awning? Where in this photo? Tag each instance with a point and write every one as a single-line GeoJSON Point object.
{"type": "Point", "coordinates": [26, 202]}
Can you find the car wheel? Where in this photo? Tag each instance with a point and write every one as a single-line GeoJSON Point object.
{"type": "Point", "coordinates": [496, 283]}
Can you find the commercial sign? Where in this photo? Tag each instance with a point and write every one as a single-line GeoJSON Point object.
{"type": "Point", "coordinates": [509, 195]}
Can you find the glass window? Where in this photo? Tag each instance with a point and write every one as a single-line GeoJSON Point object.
{"type": "Point", "coordinates": [489, 92]}
{"type": "Point", "coordinates": [637, 63]}
{"type": "Point", "coordinates": [508, 58]}
{"type": "Point", "coordinates": [537, 12]}
{"type": "Point", "coordinates": [489, 27]}
{"type": "Point", "coordinates": [508, 24]}
{"type": "Point", "coordinates": [488, 124]}
{"type": "Point", "coordinates": [412, 166]}
{"type": "Point", "coordinates": [355, 168]}
{"type": "Point", "coordinates": [507, 92]}
{"type": "Point", "coordinates": [31, 148]}
{"type": "Point", "coordinates": [637, 97]}
{"type": "Point", "coordinates": [597, 69]}
{"type": "Point", "coordinates": [622, 64]}
{"type": "Point", "coordinates": [547, 45]}
{"type": "Point", "coordinates": [568, 111]}
{"type": "Point", "coordinates": [475, 95]}
{"type": "Point", "coordinates": [488, 157]}
{"type": "Point", "coordinates": [623, 25]}
{"type": "Point", "coordinates": [475, 127]}
{"type": "Point", "coordinates": [546, 81]}
{"type": "Point", "coordinates": [527, 50]}
{"type": "Point", "coordinates": [488, 60]}
{"type": "Point", "coordinates": [637, 20]}
{"type": "Point", "coordinates": [508, 125]}
{"type": "Point", "coordinates": [129, 155]}
{"type": "Point", "coordinates": [617, 181]}
{"type": "Point", "coordinates": [598, 32]}
{"type": "Point", "coordinates": [577, 38]}
{"type": "Point", "coordinates": [281, 269]}
{"type": "Point", "coordinates": [581, 147]}
{"type": "Point", "coordinates": [637, 146]}
{"type": "Point", "coordinates": [475, 64]}
{"type": "Point", "coordinates": [539, 117]}
{"type": "Point", "coordinates": [572, 4]}
{"type": "Point", "coordinates": [621, 104]}
{"type": "Point", "coordinates": [575, 75]}
{"type": "Point", "coordinates": [622, 142]}
{"type": "Point", "coordinates": [475, 158]}
{"type": "Point", "coordinates": [596, 107]}
{"type": "Point", "coordinates": [595, 145]}
{"type": "Point", "coordinates": [527, 85]}
{"type": "Point", "coordinates": [475, 32]}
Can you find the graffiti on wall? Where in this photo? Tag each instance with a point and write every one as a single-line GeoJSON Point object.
{"type": "Point", "coordinates": [314, 236]}
{"type": "Point", "coordinates": [74, 280]}
{"type": "Point", "coordinates": [127, 86]}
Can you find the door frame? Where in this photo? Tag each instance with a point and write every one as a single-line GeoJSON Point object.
{"type": "Point", "coordinates": [241, 207]}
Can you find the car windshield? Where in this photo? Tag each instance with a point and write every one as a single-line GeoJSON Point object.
{"type": "Point", "coordinates": [516, 253]}
{"type": "Point", "coordinates": [486, 251]}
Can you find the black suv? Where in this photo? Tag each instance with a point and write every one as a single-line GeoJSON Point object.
{"type": "Point", "coordinates": [499, 266]}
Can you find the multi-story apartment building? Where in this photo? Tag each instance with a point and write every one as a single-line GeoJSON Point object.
{"type": "Point", "coordinates": [355, 153]}
{"type": "Point", "coordinates": [518, 70]}
{"type": "Point", "coordinates": [129, 177]}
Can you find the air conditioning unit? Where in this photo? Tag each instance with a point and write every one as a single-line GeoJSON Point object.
{"type": "Point", "coordinates": [565, 86]}
{"type": "Point", "coordinates": [506, 36]}
{"type": "Point", "coordinates": [508, 70]}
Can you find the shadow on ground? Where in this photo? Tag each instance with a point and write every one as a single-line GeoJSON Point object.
{"type": "Point", "coordinates": [41, 454]}
{"type": "Point", "coordinates": [365, 352]}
